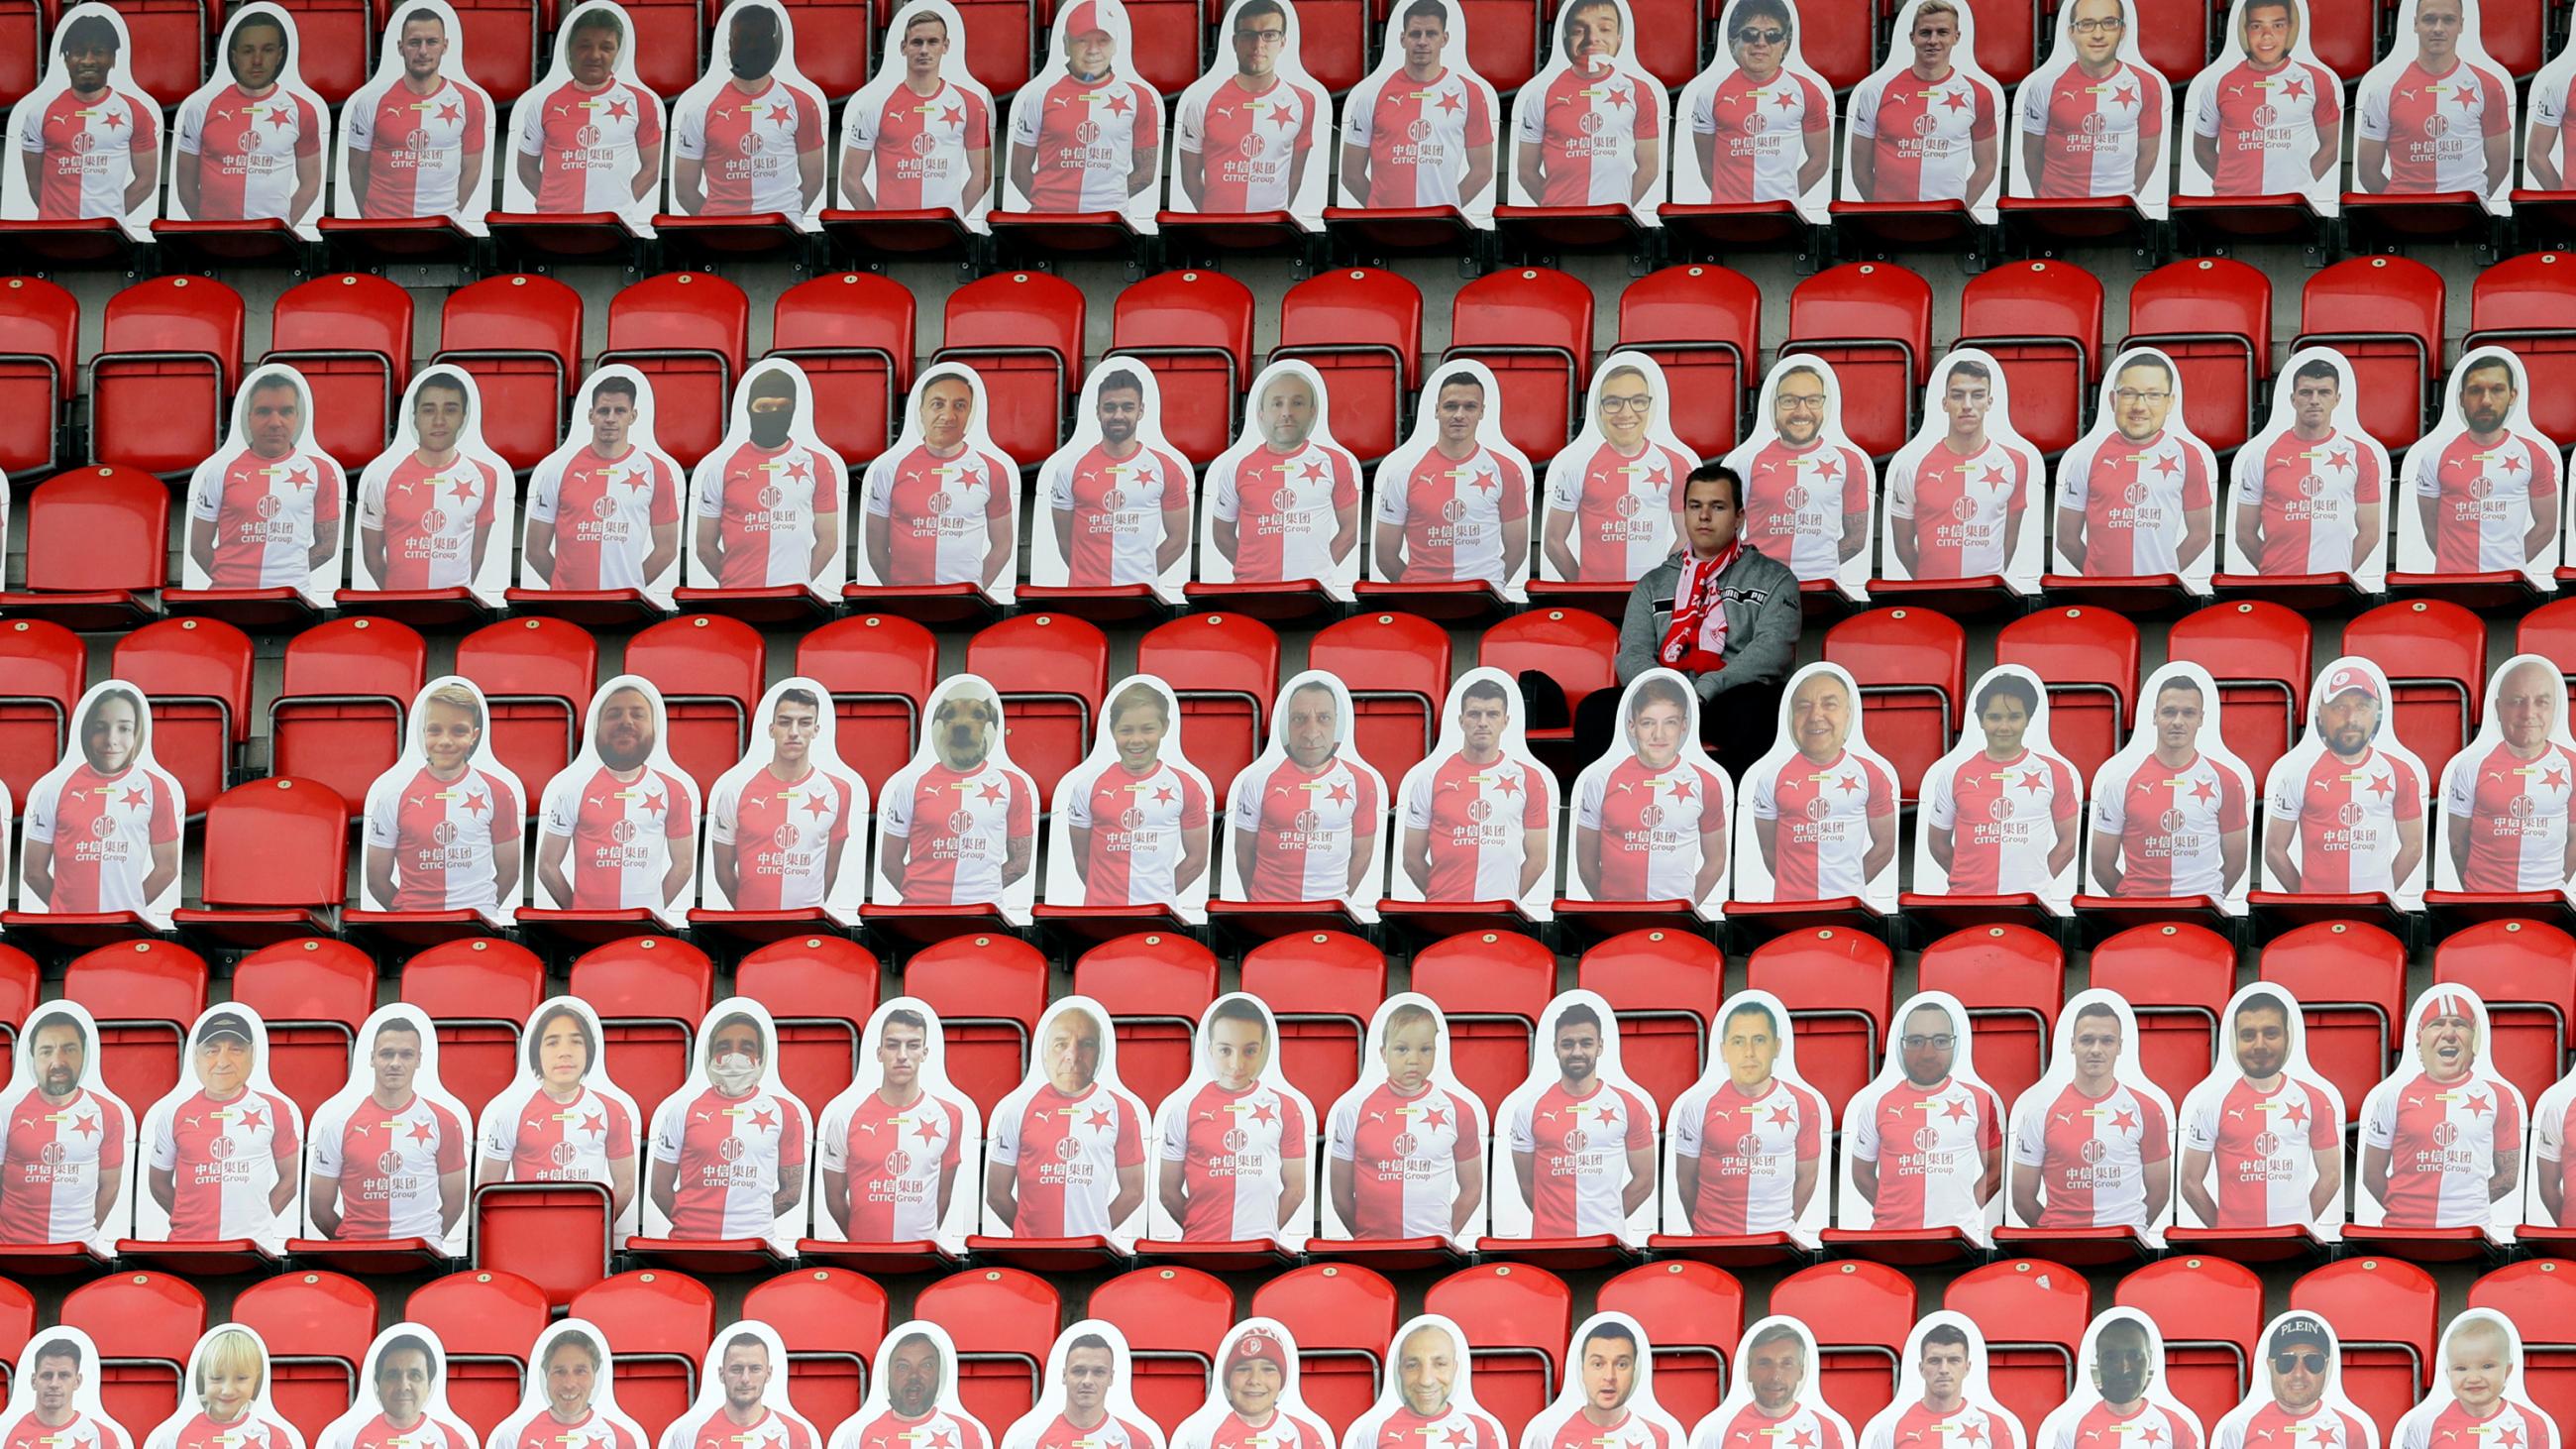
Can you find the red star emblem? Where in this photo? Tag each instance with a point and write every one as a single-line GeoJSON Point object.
{"type": "Point", "coordinates": [1618, 97]}
{"type": "Point", "coordinates": [254, 1118]}
{"type": "Point", "coordinates": [2166, 467]}
{"type": "Point", "coordinates": [1118, 104]}
{"type": "Point", "coordinates": [764, 1119]}
{"type": "Point", "coordinates": [2126, 95]}
{"type": "Point", "coordinates": [301, 477]}
{"type": "Point", "coordinates": [2479, 1106]}
{"type": "Point", "coordinates": [476, 805]}
{"type": "Point", "coordinates": [944, 1439]}
{"type": "Point", "coordinates": [1436, 1117]}
{"type": "Point", "coordinates": [1805, 1439]}
{"type": "Point", "coordinates": [798, 471]}
{"type": "Point", "coordinates": [278, 119]}
{"type": "Point", "coordinates": [1954, 102]}
{"type": "Point", "coordinates": [2380, 787]}
{"type": "Point", "coordinates": [115, 122]}
{"type": "Point", "coordinates": [1163, 795]}
{"type": "Point", "coordinates": [420, 1132]}
{"type": "Point", "coordinates": [1509, 784]}
{"type": "Point", "coordinates": [2340, 460]}
{"type": "Point", "coordinates": [653, 803]}
{"type": "Point", "coordinates": [1781, 1116]}
{"type": "Point", "coordinates": [2296, 1115]}
{"type": "Point", "coordinates": [925, 1130]}
{"type": "Point", "coordinates": [595, 1123]}
{"type": "Point", "coordinates": [1310, 470]}
{"type": "Point", "coordinates": [1455, 1437]}
{"type": "Point", "coordinates": [1449, 103]}
{"type": "Point", "coordinates": [2153, 1435]}
{"type": "Point", "coordinates": [2296, 89]}
{"type": "Point", "coordinates": [2033, 783]}
{"type": "Point", "coordinates": [1340, 794]}
{"type": "Point", "coordinates": [461, 490]}
{"type": "Point", "coordinates": [1683, 789]}
{"type": "Point", "coordinates": [2556, 779]}
{"type": "Point", "coordinates": [1099, 1118]}
{"type": "Point", "coordinates": [450, 112]}
{"type": "Point", "coordinates": [1847, 784]}
{"type": "Point", "coordinates": [1609, 1116]}
{"type": "Point", "coordinates": [1784, 100]}
{"type": "Point", "coordinates": [992, 793]}
{"type": "Point", "coordinates": [618, 110]}
{"type": "Point", "coordinates": [814, 806]}
{"type": "Point", "coordinates": [1264, 1114]}
{"type": "Point", "coordinates": [2200, 790]}
{"type": "Point", "coordinates": [2510, 1438]}
{"type": "Point", "coordinates": [2513, 464]}
{"type": "Point", "coordinates": [2127, 1121]}
{"type": "Point", "coordinates": [86, 1126]}
{"type": "Point", "coordinates": [953, 116]}
{"type": "Point", "coordinates": [1955, 1111]}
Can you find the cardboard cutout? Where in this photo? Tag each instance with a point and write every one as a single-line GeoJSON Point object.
{"type": "Point", "coordinates": [896, 1152]}
{"type": "Point", "coordinates": [1614, 495]}
{"type": "Point", "coordinates": [1650, 816]}
{"type": "Point", "coordinates": [942, 504]}
{"type": "Point", "coordinates": [87, 139]}
{"type": "Point", "coordinates": [1116, 519]}
{"type": "Point", "coordinates": [1580, 1133]}
{"type": "Point", "coordinates": [1133, 824]}
{"type": "Point", "coordinates": [1234, 1145]}
{"type": "Point", "coordinates": [1942, 1389]}
{"type": "Point", "coordinates": [1589, 129]}
{"type": "Point", "coordinates": [743, 1393]}
{"type": "Point", "coordinates": [768, 500]}
{"type": "Point", "coordinates": [588, 136]}
{"type": "Point", "coordinates": [2485, 482]}
{"type": "Point", "coordinates": [1254, 134]}
{"type": "Point", "coordinates": [444, 825]}
{"type": "Point", "coordinates": [618, 827]}
{"type": "Point", "coordinates": [388, 1153]}
{"type": "Point", "coordinates": [2442, 1136]}
{"type": "Point", "coordinates": [43, 1405]}
{"type": "Point", "coordinates": [2309, 493]}
{"type": "Point", "coordinates": [224, 1397]}
{"type": "Point", "coordinates": [1809, 490]}
{"type": "Point", "coordinates": [2504, 800]}
{"type": "Point", "coordinates": [222, 1151]}
{"type": "Point", "coordinates": [958, 825]}
{"type": "Point", "coordinates": [1928, 125]}
{"type": "Point", "coordinates": [1076, 1398]}
{"type": "Point", "coordinates": [1758, 124]}
{"type": "Point", "coordinates": [265, 511]}
{"type": "Point", "coordinates": [1405, 1146]}
{"type": "Point", "coordinates": [919, 135]}
{"type": "Point", "coordinates": [1428, 1390]}
{"type": "Point", "coordinates": [1452, 502]}
{"type": "Point", "coordinates": [1066, 1157]}
{"type": "Point", "coordinates": [2003, 811]}
{"type": "Point", "coordinates": [1087, 132]}
{"type": "Point", "coordinates": [2551, 1183]}
{"type": "Point", "coordinates": [2093, 1138]}
{"type": "Point", "coordinates": [103, 825]}
{"type": "Point", "coordinates": [1255, 1394]}
{"type": "Point", "coordinates": [2344, 812]}
{"type": "Point", "coordinates": [1608, 1393]}
{"type": "Point", "coordinates": [416, 139]}
{"type": "Point", "coordinates": [2095, 120]}
{"type": "Point", "coordinates": [2479, 1389]}
{"type": "Point", "coordinates": [912, 1389]}
{"type": "Point", "coordinates": [562, 1119]}
{"type": "Point", "coordinates": [2135, 494]}
{"type": "Point", "coordinates": [604, 509]}
{"type": "Point", "coordinates": [1283, 504]}
{"type": "Point", "coordinates": [1306, 821]}
{"type": "Point", "coordinates": [1745, 1153]}
{"type": "Point", "coordinates": [1922, 1143]}
{"type": "Point", "coordinates": [749, 139]}
{"type": "Point", "coordinates": [730, 1147]}
{"type": "Point", "coordinates": [1420, 130]}
{"type": "Point", "coordinates": [2298, 1392]}
{"type": "Point", "coordinates": [568, 1405]}
{"type": "Point", "coordinates": [437, 508]}
{"type": "Point", "coordinates": [2266, 117]}
{"type": "Point", "coordinates": [1817, 818]}
{"type": "Point", "coordinates": [1963, 494]}
{"type": "Point", "coordinates": [1477, 816]}
{"type": "Point", "coordinates": [252, 143]}
{"type": "Point", "coordinates": [2436, 114]}
{"type": "Point", "coordinates": [787, 827]}
{"type": "Point", "coordinates": [2121, 1386]}
{"type": "Point", "coordinates": [2173, 811]}
{"type": "Point", "coordinates": [2546, 155]}
{"type": "Point", "coordinates": [1779, 1388]}
{"type": "Point", "coordinates": [2262, 1135]}
{"type": "Point", "coordinates": [72, 1179]}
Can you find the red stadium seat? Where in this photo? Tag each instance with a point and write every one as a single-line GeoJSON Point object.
{"type": "Point", "coordinates": [2548, 631]}
{"type": "Point", "coordinates": [2525, 972]}
{"type": "Point", "coordinates": [712, 671]}
{"type": "Point", "coordinates": [161, 383]}
{"type": "Point", "coordinates": [44, 669]}
{"type": "Point", "coordinates": [852, 334]}
{"type": "Point", "coordinates": [2435, 656]}
{"type": "Point", "coordinates": [537, 676]}
{"type": "Point", "coordinates": [486, 1320]}
{"type": "Point", "coordinates": [1001, 40]}
{"type": "Point", "coordinates": [1912, 667]}
{"type": "Point", "coordinates": [2210, 1312]}
{"type": "Point", "coordinates": [313, 993]}
{"type": "Point", "coordinates": [276, 863]}
{"type": "Point", "coordinates": [2526, 305]}
{"type": "Point", "coordinates": [338, 718]}
{"type": "Point", "coordinates": [989, 992]}
{"type": "Point", "coordinates": [478, 993]}
{"type": "Point", "coordinates": [1664, 987]}
{"type": "Point", "coordinates": [2011, 979]}
{"type": "Point", "coordinates": [145, 995]}
{"type": "Point", "coordinates": [1504, 41]}
{"type": "Point", "coordinates": [1003, 1321]}
{"type": "Point", "coordinates": [820, 991]}
{"type": "Point", "coordinates": [686, 332]}
{"type": "Point", "coordinates": [835, 68]}
{"type": "Point", "coordinates": [1840, 988]}
{"type": "Point", "coordinates": [500, 39]}
{"type": "Point", "coordinates": [350, 335]}
{"type": "Point", "coordinates": [1839, 38]}
{"type": "Point", "coordinates": [1397, 668]}
{"type": "Point", "coordinates": [197, 675]}
{"type": "Point", "coordinates": [1873, 322]}
{"type": "Point", "coordinates": [1342, 1317]}
{"type": "Point", "coordinates": [39, 363]}
{"type": "Point", "coordinates": [1022, 332]}
{"type": "Point", "coordinates": [2350, 978]}
{"type": "Point", "coordinates": [2384, 314]}
{"type": "Point", "coordinates": [145, 1326]}
{"type": "Point", "coordinates": [1493, 988]}
{"type": "Point", "coordinates": [335, 41]}
{"type": "Point", "coordinates": [1194, 330]}
{"type": "Point", "coordinates": [831, 1320]}
{"type": "Point", "coordinates": [1225, 670]}
{"type": "Point", "coordinates": [1860, 1313]}
{"type": "Point", "coordinates": [651, 992]}
{"type": "Point", "coordinates": [2259, 653]}
{"type": "Point", "coordinates": [880, 669]}
{"type": "Point", "coordinates": [1573, 647]}
{"type": "Point", "coordinates": [520, 338]}
{"type": "Point", "coordinates": [1322, 987]}
{"type": "Point", "coordinates": [316, 1326]}
{"type": "Point", "coordinates": [2033, 1315]}
{"type": "Point", "coordinates": [98, 548]}
{"type": "Point", "coordinates": [1533, 327]}
{"type": "Point", "coordinates": [2387, 1314]}
{"type": "Point", "coordinates": [1667, 40]}
{"type": "Point", "coordinates": [669, 41]}
{"type": "Point", "coordinates": [21, 986]}
{"type": "Point", "coordinates": [1173, 1319]}
{"type": "Point", "coordinates": [1703, 324]}
{"type": "Point", "coordinates": [21, 29]}
{"type": "Point", "coordinates": [2174, 37]}
{"type": "Point", "coordinates": [1694, 1314]}
{"type": "Point", "coordinates": [2516, 33]}
{"type": "Point", "coordinates": [659, 1324]}
{"type": "Point", "coordinates": [2043, 321]}
{"type": "Point", "coordinates": [1155, 985]}
{"type": "Point", "coordinates": [2213, 317]}
{"type": "Point", "coordinates": [2177, 979]}
{"type": "Point", "coordinates": [2089, 659]}
{"type": "Point", "coordinates": [2540, 1298]}
{"type": "Point", "coordinates": [1517, 1319]}
{"type": "Point", "coordinates": [1052, 671]}
{"type": "Point", "coordinates": [1362, 329]}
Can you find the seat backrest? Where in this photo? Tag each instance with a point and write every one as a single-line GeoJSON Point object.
{"type": "Point", "coordinates": [317, 978]}
{"type": "Point", "coordinates": [2533, 292]}
{"type": "Point", "coordinates": [1148, 973]}
{"type": "Point", "coordinates": [356, 656]}
{"type": "Point", "coordinates": [981, 975]}
{"type": "Point", "coordinates": [848, 310]}
{"type": "Point", "coordinates": [1317, 972]}
{"type": "Point", "coordinates": [1873, 301]}
{"type": "Point", "coordinates": [682, 311]}
{"type": "Point", "coordinates": [1016, 310]}
{"type": "Point", "coordinates": [1525, 307]}
{"type": "Point", "coordinates": [1195, 309]}
{"type": "Point", "coordinates": [480, 1312]}
{"type": "Point", "coordinates": [1166, 1309]}
{"type": "Point", "coordinates": [1331, 1306]}
{"type": "Point", "coordinates": [654, 976]}
{"type": "Point", "coordinates": [278, 842]}
{"type": "Point", "coordinates": [2376, 295]}
{"type": "Point", "coordinates": [138, 1315]}
{"type": "Point", "coordinates": [2247, 639]}
{"type": "Point", "coordinates": [1493, 988]}
{"type": "Point", "coordinates": [347, 312]}
{"type": "Point", "coordinates": [40, 319]}
{"type": "Point", "coordinates": [2198, 1298]}
{"type": "Point", "coordinates": [2424, 639]}
{"type": "Point", "coordinates": [481, 977]}
{"type": "Point", "coordinates": [2205, 294]}
{"type": "Point", "coordinates": [1906, 644]}
{"type": "Point", "coordinates": [104, 526]}
{"type": "Point", "coordinates": [871, 654]}
{"type": "Point", "coordinates": [2024, 1300]}
{"type": "Point", "coordinates": [2380, 1299]}
{"type": "Point", "coordinates": [532, 656]}
{"type": "Point", "coordinates": [1575, 647]}
{"type": "Point", "coordinates": [811, 976]}
{"type": "Point", "coordinates": [203, 657]}
{"type": "Point", "coordinates": [994, 1310]}
{"type": "Point", "coordinates": [148, 980]}
{"type": "Point", "coordinates": [1385, 652]}
{"type": "Point", "coordinates": [1849, 1303]}
{"type": "Point", "coordinates": [309, 1314]}
{"type": "Point", "coordinates": [651, 1310]}
{"type": "Point", "coordinates": [1511, 1305]}
{"type": "Point", "coordinates": [821, 1309]}
{"type": "Point", "coordinates": [1361, 306]}
{"type": "Point", "coordinates": [702, 654]}
{"type": "Point", "coordinates": [2035, 299]}
{"type": "Point", "coordinates": [2093, 646]}
{"type": "Point", "coordinates": [1213, 651]}
{"type": "Point", "coordinates": [521, 312]}
{"type": "Point", "coordinates": [1703, 324]}
{"type": "Point", "coordinates": [1042, 654]}
{"type": "Point", "coordinates": [177, 314]}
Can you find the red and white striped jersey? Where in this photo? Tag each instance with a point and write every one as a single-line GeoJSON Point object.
{"type": "Point", "coordinates": [1797, 1429]}
{"type": "Point", "coordinates": [748, 146]}
{"type": "Point", "coordinates": [2172, 822]}
{"type": "Point", "coordinates": [418, 147]}
{"type": "Point", "coordinates": [2151, 1427]}
{"type": "Point", "coordinates": [1578, 1149]}
{"type": "Point", "coordinates": [1970, 1426]}
{"type": "Point", "coordinates": [544, 1140]}
{"type": "Point", "coordinates": [625, 834]}
{"type": "Point", "coordinates": [1117, 506]}
{"type": "Point", "coordinates": [1476, 817]}
{"type": "Point", "coordinates": [86, 151]}
{"type": "Point", "coordinates": [1633, 1431]}
{"type": "Point", "coordinates": [2435, 127]}
{"type": "Point", "coordinates": [1065, 1153]}
{"type": "Point", "coordinates": [588, 144]}
{"type": "Point", "coordinates": [1960, 506]}
{"type": "Point", "coordinates": [1250, 145]}
{"type": "Point", "coordinates": [1821, 850]}
{"type": "Point", "coordinates": [2311, 495]}
{"type": "Point", "coordinates": [265, 512]}
{"type": "Point", "coordinates": [604, 511]}
{"type": "Point", "coordinates": [428, 1433]}
{"type": "Point", "coordinates": [594, 1431]}
{"type": "Point", "coordinates": [1139, 827]}
{"type": "Point", "coordinates": [246, 149]}
{"type": "Point", "coordinates": [2487, 497]}
{"type": "Point", "coordinates": [58, 1158]}
{"type": "Point", "coordinates": [102, 829]}
{"type": "Point", "coordinates": [2512, 1423]}
{"type": "Point", "coordinates": [2267, 124]}
{"type": "Point", "coordinates": [388, 1162]}
{"type": "Point", "coordinates": [773, 1430]}
{"type": "Point", "coordinates": [2136, 498]}
{"type": "Point", "coordinates": [2003, 819]}
{"type": "Point", "coordinates": [1112, 1433]}
{"type": "Point", "coordinates": [1286, 509]}
{"type": "Point", "coordinates": [734, 1154]}
{"type": "Point", "coordinates": [1232, 1150]}
{"type": "Point", "coordinates": [1796, 500]}
{"type": "Point", "coordinates": [2553, 1143]}
{"type": "Point", "coordinates": [1758, 134]}
{"type": "Point", "coordinates": [919, 146]}
{"type": "Point", "coordinates": [2516, 811]}
{"type": "Point", "coordinates": [1452, 512]}
{"type": "Point", "coordinates": [964, 824]}
{"type": "Point", "coordinates": [2092, 131]}
{"type": "Point", "coordinates": [1085, 136]}
{"type": "Point", "coordinates": [1929, 1146]}
{"type": "Point", "coordinates": [782, 835]}
{"type": "Point", "coordinates": [1623, 506]}
{"type": "Point", "coordinates": [447, 837]}
{"type": "Point", "coordinates": [1307, 828]}
{"type": "Point", "coordinates": [937, 1429]}
{"type": "Point", "coordinates": [1231, 1432]}
{"type": "Point", "coordinates": [2442, 1142]}
{"type": "Point", "coordinates": [2262, 1150]}
{"type": "Point", "coordinates": [938, 513]}
{"type": "Point", "coordinates": [430, 518]}
{"type": "Point", "coordinates": [1587, 128]}
{"type": "Point", "coordinates": [1748, 1150]}
{"type": "Point", "coordinates": [1650, 823]}
{"type": "Point", "coordinates": [248, 1432]}
{"type": "Point", "coordinates": [2551, 105]}
{"type": "Point", "coordinates": [1418, 134]}
{"type": "Point", "coordinates": [1922, 134]}
{"type": "Point", "coordinates": [1453, 1428]}
{"type": "Point", "coordinates": [2271, 1427]}
{"type": "Point", "coordinates": [895, 1158]}
{"type": "Point", "coordinates": [766, 502]}
{"type": "Point", "coordinates": [2091, 1154]}
{"type": "Point", "coordinates": [83, 1432]}
{"type": "Point", "coordinates": [2347, 813]}
{"type": "Point", "coordinates": [1404, 1154]}
{"type": "Point", "coordinates": [224, 1159]}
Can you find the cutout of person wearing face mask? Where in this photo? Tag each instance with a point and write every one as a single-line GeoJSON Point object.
{"type": "Point", "coordinates": [768, 500]}
{"type": "Point", "coordinates": [748, 138]}
{"type": "Point", "coordinates": [729, 1147]}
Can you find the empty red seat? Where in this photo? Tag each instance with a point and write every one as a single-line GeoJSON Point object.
{"type": "Point", "coordinates": [196, 673]}
{"type": "Point", "coordinates": [2176, 979]}
{"type": "Point", "coordinates": [536, 676]}
{"type": "Point", "coordinates": [144, 995]}
{"type": "Point", "coordinates": [2089, 659]}
{"type": "Point", "coordinates": [711, 671]}
{"type": "Point", "coordinates": [499, 39]}
{"type": "Point", "coordinates": [1665, 988]}
{"type": "Point", "coordinates": [2526, 305]}
{"type": "Point", "coordinates": [2384, 314]}
{"type": "Point", "coordinates": [314, 993]}
{"type": "Point", "coordinates": [1155, 986]}
{"type": "Point", "coordinates": [2350, 978]}
{"type": "Point", "coordinates": [1022, 333]}
{"type": "Point", "coordinates": [2213, 317]}
{"type": "Point", "coordinates": [1702, 324]}
{"type": "Point", "coordinates": [276, 862]}
{"type": "Point", "coordinates": [820, 991]}
{"type": "Point", "coordinates": [1694, 1314]}
{"type": "Point", "coordinates": [1003, 1321]}
{"type": "Point", "coordinates": [1194, 330]}
{"type": "Point", "coordinates": [520, 338]}
{"type": "Point", "coordinates": [1533, 328]}
{"type": "Point", "coordinates": [1873, 322]}
{"type": "Point", "coordinates": [2210, 1311]}
{"type": "Point", "coordinates": [1492, 988]}
{"type": "Point", "coordinates": [1860, 1314]}
{"type": "Point", "coordinates": [1225, 669]}
{"type": "Point", "coordinates": [338, 717]}
{"type": "Point", "coordinates": [1517, 1319]}
{"type": "Point", "coordinates": [989, 992]}
{"type": "Point", "coordinates": [1362, 329]}
{"type": "Point", "coordinates": [1322, 987]}
{"type": "Point", "coordinates": [1051, 671]}
{"type": "Point", "coordinates": [486, 1320]}
{"type": "Point", "coordinates": [169, 355]}
{"type": "Point", "coordinates": [831, 1321]}
{"type": "Point", "coordinates": [44, 670]}
{"type": "Point", "coordinates": [880, 669]}
{"type": "Point", "coordinates": [2435, 656]}
{"type": "Point", "coordinates": [2258, 653]}
{"type": "Point", "coordinates": [2525, 972]}
{"type": "Point", "coordinates": [2043, 321]}
{"type": "Point", "coordinates": [1397, 669]}
{"type": "Point", "coordinates": [2540, 1298]}
{"type": "Point", "coordinates": [39, 363]}
{"type": "Point", "coordinates": [98, 548]}
{"type": "Point", "coordinates": [1173, 1320]}
{"type": "Point", "coordinates": [2033, 1315]}
{"type": "Point", "coordinates": [2386, 1314]}
{"type": "Point", "coordinates": [1912, 667]}
{"type": "Point", "coordinates": [852, 334]}
{"type": "Point", "coordinates": [145, 1325]}
{"type": "Point", "coordinates": [686, 332]}
{"type": "Point", "coordinates": [651, 993]}
{"type": "Point", "coordinates": [316, 1326]}
{"type": "Point", "coordinates": [478, 993]}
{"type": "Point", "coordinates": [349, 334]}
{"type": "Point", "coordinates": [1000, 40]}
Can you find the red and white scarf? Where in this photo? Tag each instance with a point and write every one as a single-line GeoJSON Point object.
{"type": "Point", "coordinates": [1696, 642]}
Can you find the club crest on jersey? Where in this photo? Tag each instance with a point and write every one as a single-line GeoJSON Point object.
{"type": "Point", "coordinates": [732, 1148]}
{"type": "Point", "coordinates": [2170, 820]}
{"type": "Point", "coordinates": [2266, 1143]}
{"type": "Point", "coordinates": [267, 506]}
{"type": "Point", "coordinates": [1755, 123]}
{"type": "Point", "coordinates": [1795, 498]}
{"type": "Point", "coordinates": [785, 836]}
{"type": "Point", "coordinates": [2265, 115]}
{"type": "Point", "coordinates": [1926, 1138]}
{"type": "Point", "coordinates": [1307, 821]}
{"type": "Point", "coordinates": [2093, 1149]}
{"type": "Point", "coordinates": [749, 143]}
{"type": "Point", "coordinates": [2436, 124]}
{"type": "Point", "coordinates": [563, 1154]}
{"type": "Point", "coordinates": [100, 827]}
{"type": "Point", "coordinates": [960, 821]}
{"type": "Point", "coordinates": [1819, 808]}
{"type": "Point", "coordinates": [1999, 808]}
{"type": "Point", "coordinates": [2135, 493]}
{"type": "Point", "coordinates": [924, 144]}
{"type": "Point", "coordinates": [1405, 1143]}
{"type": "Point", "coordinates": [1086, 133]}
{"type": "Point", "coordinates": [621, 831]}
{"type": "Point", "coordinates": [2349, 813]}
{"type": "Point", "coordinates": [417, 138]}
{"type": "Point", "coordinates": [601, 507]}
{"type": "Point", "coordinates": [1926, 124]}
{"type": "Point", "coordinates": [2095, 123]}
{"type": "Point", "coordinates": [389, 1161]}
{"type": "Point", "coordinates": [1066, 1149]}
{"type": "Point", "coordinates": [898, 1162]}
{"type": "Point", "coordinates": [1480, 810]}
